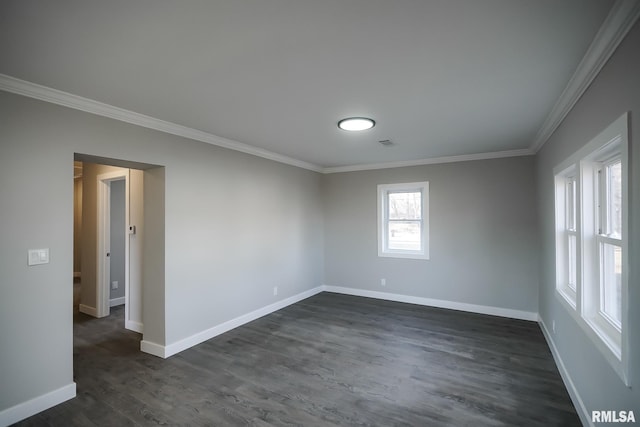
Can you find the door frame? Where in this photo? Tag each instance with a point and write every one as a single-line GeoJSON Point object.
{"type": "Point", "coordinates": [104, 240]}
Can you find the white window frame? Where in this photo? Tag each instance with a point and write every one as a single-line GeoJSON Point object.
{"type": "Point", "coordinates": [383, 220]}
{"type": "Point", "coordinates": [595, 215]}
{"type": "Point", "coordinates": [605, 236]}
{"type": "Point", "coordinates": [567, 229]}
{"type": "Point", "coordinates": [591, 232]}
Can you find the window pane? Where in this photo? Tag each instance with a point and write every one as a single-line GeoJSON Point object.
{"type": "Point", "coordinates": [404, 235]}
{"type": "Point", "coordinates": [611, 282]}
{"type": "Point", "coordinates": [405, 205]}
{"type": "Point", "coordinates": [571, 203]}
{"type": "Point", "coordinates": [614, 199]}
{"type": "Point", "coordinates": [572, 261]}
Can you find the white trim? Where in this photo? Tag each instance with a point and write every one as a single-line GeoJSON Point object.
{"type": "Point", "coordinates": [615, 27]}
{"type": "Point", "coordinates": [430, 161]}
{"type": "Point", "coordinates": [608, 141]}
{"type": "Point", "coordinates": [153, 349]}
{"type": "Point", "coordinates": [584, 415]}
{"type": "Point", "coordinates": [91, 311]}
{"type": "Point", "coordinates": [620, 20]}
{"type": "Point", "coordinates": [197, 338]}
{"type": "Point", "coordinates": [54, 96]}
{"type": "Point", "coordinates": [38, 404]}
{"type": "Point", "coordinates": [133, 326]}
{"type": "Point", "coordinates": [430, 302]}
{"type": "Point", "coordinates": [103, 245]}
{"type": "Point", "coordinates": [383, 220]}
{"type": "Point", "coordinates": [116, 301]}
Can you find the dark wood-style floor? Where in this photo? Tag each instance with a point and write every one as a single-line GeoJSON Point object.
{"type": "Point", "coordinates": [328, 360]}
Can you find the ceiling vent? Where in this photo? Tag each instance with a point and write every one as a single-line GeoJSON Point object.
{"type": "Point", "coordinates": [386, 142]}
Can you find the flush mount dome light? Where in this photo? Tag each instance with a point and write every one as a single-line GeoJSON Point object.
{"type": "Point", "coordinates": [356, 124]}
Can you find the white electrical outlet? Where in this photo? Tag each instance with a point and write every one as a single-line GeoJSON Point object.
{"type": "Point", "coordinates": [383, 282]}
{"type": "Point", "coordinates": [275, 290]}
{"type": "Point", "coordinates": [114, 284]}
{"type": "Point", "coordinates": [553, 326]}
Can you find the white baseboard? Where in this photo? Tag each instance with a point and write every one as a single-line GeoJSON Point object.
{"type": "Point", "coordinates": [452, 305]}
{"type": "Point", "coordinates": [116, 301]}
{"type": "Point", "coordinates": [584, 415]}
{"type": "Point", "coordinates": [133, 326]}
{"type": "Point", "coordinates": [195, 339]}
{"type": "Point", "coordinates": [41, 403]}
{"type": "Point", "coordinates": [91, 311]}
{"type": "Point", "coordinates": [153, 349]}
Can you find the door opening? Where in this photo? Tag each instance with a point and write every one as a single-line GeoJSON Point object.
{"type": "Point", "coordinates": [112, 233]}
{"type": "Point", "coordinates": [112, 248]}
{"type": "Point", "coordinates": [144, 186]}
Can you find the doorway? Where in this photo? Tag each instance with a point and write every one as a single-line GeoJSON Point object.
{"type": "Point", "coordinates": [113, 247]}
{"type": "Point", "coordinates": [111, 242]}
{"type": "Point", "coordinates": [145, 234]}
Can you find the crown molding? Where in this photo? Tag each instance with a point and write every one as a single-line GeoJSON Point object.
{"type": "Point", "coordinates": [54, 96]}
{"type": "Point", "coordinates": [615, 27]}
{"type": "Point", "coordinates": [431, 161]}
{"type": "Point", "coordinates": [620, 20]}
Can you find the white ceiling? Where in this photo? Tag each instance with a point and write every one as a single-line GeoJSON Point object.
{"type": "Point", "coordinates": [441, 78]}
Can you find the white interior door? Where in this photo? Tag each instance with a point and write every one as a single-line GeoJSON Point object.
{"type": "Point", "coordinates": [103, 279]}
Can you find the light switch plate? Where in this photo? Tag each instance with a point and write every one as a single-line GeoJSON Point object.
{"type": "Point", "coordinates": [38, 256]}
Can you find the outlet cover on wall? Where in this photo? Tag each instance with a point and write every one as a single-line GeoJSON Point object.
{"type": "Point", "coordinates": [38, 256]}
{"type": "Point", "coordinates": [383, 282]}
{"type": "Point", "coordinates": [114, 284]}
{"type": "Point", "coordinates": [275, 290]}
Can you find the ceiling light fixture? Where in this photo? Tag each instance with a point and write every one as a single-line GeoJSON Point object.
{"type": "Point", "coordinates": [356, 124]}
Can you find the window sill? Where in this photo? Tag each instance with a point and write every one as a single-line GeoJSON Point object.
{"type": "Point", "coordinates": [405, 255]}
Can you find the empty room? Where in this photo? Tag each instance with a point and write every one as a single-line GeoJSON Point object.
{"type": "Point", "coordinates": [319, 213]}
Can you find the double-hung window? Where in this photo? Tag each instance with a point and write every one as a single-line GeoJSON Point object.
{"type": "Point", "coordinates": [609, 241]}
{"type": "Point", "coordinates": [605, 244]}
{"type": "Point", "coordinates": [592, 241]}
{"type": "Point", "coordinates": [567, 233]}
{"type": "Point", "coordinates": [403, 220]}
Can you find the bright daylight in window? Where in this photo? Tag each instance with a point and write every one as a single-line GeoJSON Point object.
{"type": "Point", "coordinates": [403, 220]}
{"type": "Point", "coordinates": [610, 241]}
{"type": "Point", "coordinates": [567, 238]}
{"type": "Point", "coordinates": [591, 241]}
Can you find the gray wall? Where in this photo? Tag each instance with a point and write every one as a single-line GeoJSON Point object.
{"type": "Point", "coordinates": [117, 230]}
{"type": "Point", "coordinates": [483, 242]}
{"type": "Point", "coordinates": [232, 226]}
{"type": "Point", "coordinates": [36, 189]}
{"type": "Point", "coordinates": [222, 228]}
{"type": "Point", "coordinates": [615, 91]}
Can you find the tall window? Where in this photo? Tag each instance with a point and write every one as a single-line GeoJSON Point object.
{"type": "Point", "coordinates": [571, 231]}
{"type": "Point", "coordinates": [591, 241]}
{"type": "Point", "coordinates": [403, 220]}
{"type": "Point", "coordinates": [567, 234]}
{"type": "Point", "coordinates": [609, 240]}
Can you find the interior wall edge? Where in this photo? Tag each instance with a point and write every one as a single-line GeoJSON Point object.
{"type": "Point", "coordinates": [37, 404]}
{"type": "Point", "coordinates": [197, 338]}
{"type": "Point", "coordinates": [437, 303]}
{"type": "Point", "coordinates": [581, 409]}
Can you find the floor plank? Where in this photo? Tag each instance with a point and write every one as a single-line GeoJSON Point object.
{"type": "Point", "coordinates": [328, 360]}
